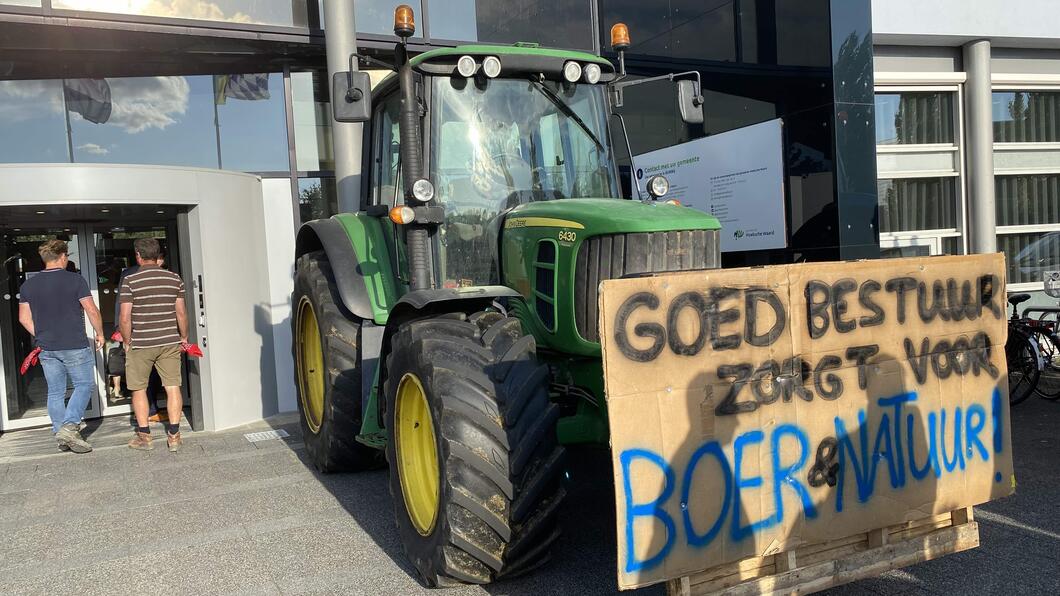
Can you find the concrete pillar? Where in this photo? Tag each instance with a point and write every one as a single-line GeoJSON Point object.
{"type": "Point", "coordinates": [340, 35]}
{"type": "Point", "coordinates": [982, 235]}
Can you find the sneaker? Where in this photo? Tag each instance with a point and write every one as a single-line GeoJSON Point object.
{"type": "Point", "coordinates": [141, 442]}
{"type": "Point", "coordinates": [174, 442]}
{"type": "Point", "coordinates": [70, 436]}
{"type": "Point", "coordinates": [159, 417]}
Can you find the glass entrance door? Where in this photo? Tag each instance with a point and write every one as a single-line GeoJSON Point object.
{"type": "Point", "coordinates": [114, 257]}
{"type": "Point", "coordinates": [26, 396]}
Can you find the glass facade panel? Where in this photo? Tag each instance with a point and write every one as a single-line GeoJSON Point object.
{"type": "Point", "coordinates": [284, 13]}
{"type": "Point", "coordinates": [251, 122]}
{"type": "Point", "coordinates": [1030, 255]}
{"type": "Point", "coordinates": [312, 121]}
{"type": "Point", "coordinates": [908, 204]}
{"type": "Point", "coordinates": [317, 198]}
{"type": "Point", "coordinates": [1028, 200]}
{"type": "Point", "coordinates": [1026, 116]}
{"type": "Point", "coordinates": [148, 120]}
{"type": "Point", "coordinates": [36, 3]}
{"type": "Point", "coordinates": [551, 23]}
{"type": "Point", "coordinates": [703, 29]}
{"type": "Point", "coordinates": [803, 29]}
{"type": "Point", "coordinates": [32, 113]}
{"type": "Point", "coordinates": [918, 118]}
{"type": "Point", "coordinates": [377, 16]}
{"type": "Point", "coordinates": [951, 245]}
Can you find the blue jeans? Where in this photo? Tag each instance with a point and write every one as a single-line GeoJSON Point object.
{"type": "Point", "coordinates": [80, 366]}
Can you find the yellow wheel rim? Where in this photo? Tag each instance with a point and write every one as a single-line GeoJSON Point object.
{"type": "Point", "coordinates": [310, 357]}
{"type": "Point", "coordinates": [417, 457]}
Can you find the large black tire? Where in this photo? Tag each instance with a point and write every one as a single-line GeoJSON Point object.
{"type": "Point", "coordinates": [499, 463]}
{"type": "Point", "coordinates": [331, 445]}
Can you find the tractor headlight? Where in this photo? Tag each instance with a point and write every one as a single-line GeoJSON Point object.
{"type": "Point", "coordinates": [491, 66]}
{"type": "Point", "coordinates": [423, 190]}
{"type": "Point", "coordinates": [592, 73]}
{"type": "Point", "coordinates": [466, 66]}
{"type": "Point", "coordinates": [572, 71]}
{"type": "Point", "coordinates": [658, 186]}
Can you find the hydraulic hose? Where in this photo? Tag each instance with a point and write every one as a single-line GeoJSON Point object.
{"type": "Point", "coordinates": [416, 235]}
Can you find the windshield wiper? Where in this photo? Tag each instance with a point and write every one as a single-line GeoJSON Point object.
{"type": "Point", "coordinates": [567, 111]}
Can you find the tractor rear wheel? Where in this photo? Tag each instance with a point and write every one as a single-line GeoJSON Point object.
{"type": "Point", "coordinates": [475, 467]}
{"type": "Point", "coordinates": [327, 373]}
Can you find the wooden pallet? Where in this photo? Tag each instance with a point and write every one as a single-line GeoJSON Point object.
{"type": "Point", "coordinates": [819, 566]}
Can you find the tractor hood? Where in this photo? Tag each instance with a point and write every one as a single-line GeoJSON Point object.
{"type": "Point", "coordinates": [555, 254]}
{"type": "Point", "coordinates": [609, 216]}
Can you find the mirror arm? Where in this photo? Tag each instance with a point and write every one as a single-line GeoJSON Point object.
{"type": "Point", "coordinates": [635, 184]}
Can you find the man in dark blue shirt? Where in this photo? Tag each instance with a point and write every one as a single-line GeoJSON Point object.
{"type": "Point", "coordinates": [52, 307]}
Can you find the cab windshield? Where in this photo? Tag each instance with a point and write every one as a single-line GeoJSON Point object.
{"type": "Point", "coordinates": [498, 143]}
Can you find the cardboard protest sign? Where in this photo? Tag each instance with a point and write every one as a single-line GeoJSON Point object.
{"type": "Point", "coordinates": [753, 411]}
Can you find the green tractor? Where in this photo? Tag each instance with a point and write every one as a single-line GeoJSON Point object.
{"type": "Point", "coordinates": [451, 325]}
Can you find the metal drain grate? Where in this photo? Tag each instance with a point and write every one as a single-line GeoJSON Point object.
{"type": "Point", "coordinates": [267, 435]}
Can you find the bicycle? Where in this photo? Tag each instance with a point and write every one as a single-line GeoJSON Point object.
{"type": "Point", "coordinates": [1045, 332]}
{"type": "Point", "coordinates": [1022, 354]}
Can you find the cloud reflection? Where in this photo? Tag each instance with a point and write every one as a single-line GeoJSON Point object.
{"type": "Point", "coordinates": [138, 104]}
{"type": "Point", "coordinates": [184, 9]}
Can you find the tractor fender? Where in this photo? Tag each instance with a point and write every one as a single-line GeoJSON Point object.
{"type": "Point", "coordinates": [329, 235]}
{"type": "Point", "coordinates": [422, 303]}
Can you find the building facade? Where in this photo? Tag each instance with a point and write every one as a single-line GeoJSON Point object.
{"type": "Point", "coordinates": [968, 131]}
{"type": "Point", "coordinates": [207, 124]}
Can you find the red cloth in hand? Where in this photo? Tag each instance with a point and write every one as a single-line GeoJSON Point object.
{"type": "Point", "coordinates": [30, 360]}
{"type": "Point", "coordinates": [191, 349]}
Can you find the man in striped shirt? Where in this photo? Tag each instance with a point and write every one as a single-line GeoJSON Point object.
{"type": "Point", "coordinates": [154, 325]}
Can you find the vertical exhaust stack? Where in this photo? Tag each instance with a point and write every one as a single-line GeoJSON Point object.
{"type": "Point", "coordinates": [341, 41]}
{"type": "Point", "coordinates": [416, 235]}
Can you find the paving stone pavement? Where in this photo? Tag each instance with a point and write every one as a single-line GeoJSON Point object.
{"type": "Point", "coordinates": [226, 516]}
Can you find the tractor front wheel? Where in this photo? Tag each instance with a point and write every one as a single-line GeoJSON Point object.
{"type": "Point", "coordinates": [327, 373]}
{"type": "Point", "coordinates": [474, 464]}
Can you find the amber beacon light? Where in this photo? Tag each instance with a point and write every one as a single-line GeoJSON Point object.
{"type": "Point", "coordinates": [404, 21]}
{"type": "Point", "coordinates": [619, 37]}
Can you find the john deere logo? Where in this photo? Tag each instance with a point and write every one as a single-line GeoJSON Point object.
{"type": "Point", "coordinates": [737, 234]}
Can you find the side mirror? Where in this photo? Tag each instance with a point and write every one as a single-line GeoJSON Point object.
{"type": "Point", "coordinates": [689, 103]}
{"type": "Point", "coordinates": [351, 96]}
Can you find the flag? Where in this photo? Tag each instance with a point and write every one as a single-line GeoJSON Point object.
{"type": "Point", "coordinates": [88, 97]}
{"type": "Point", "coordinates": [240, 86]}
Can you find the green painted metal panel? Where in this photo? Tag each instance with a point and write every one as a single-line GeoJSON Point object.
{"type": "Point", "coordinates": [375, 262]}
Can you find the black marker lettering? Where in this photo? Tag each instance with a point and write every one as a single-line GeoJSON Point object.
{"type": "Point", "coordinates": [869, 288]}
{"type": "Point", "coordinates": [751, 299]}
{"type": "Point", "coordinates": [654, 330]}
{"type": "Point", "coordinates": [817, 309]}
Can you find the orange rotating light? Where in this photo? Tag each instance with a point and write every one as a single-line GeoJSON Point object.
{"type": "Point", "coordinates": [619, 37]}
{"type": "Point", "coordinates": [404, 21]}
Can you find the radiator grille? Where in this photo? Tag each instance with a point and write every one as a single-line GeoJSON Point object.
{"type": "Point", "coordinates": [623, 255]}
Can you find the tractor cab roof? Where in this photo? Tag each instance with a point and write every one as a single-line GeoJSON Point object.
{"type": "Point", "coordinates": [516, 60]}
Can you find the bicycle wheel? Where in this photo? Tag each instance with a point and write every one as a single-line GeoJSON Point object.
{"type": "Point", "coordinates": [1049, 383]}
{"type": "Point", "coordinates": [1022, 356]}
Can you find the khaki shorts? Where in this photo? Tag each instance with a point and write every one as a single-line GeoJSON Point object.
{"type": "Point", "coordinates": [164, 359]}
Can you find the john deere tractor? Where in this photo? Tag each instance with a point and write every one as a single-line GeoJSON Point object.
{"type": "Point", "coordinates": [449, 327]}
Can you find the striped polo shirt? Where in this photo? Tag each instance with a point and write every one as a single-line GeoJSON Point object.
{"type": "Point", "coordinates": [153, 292]}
